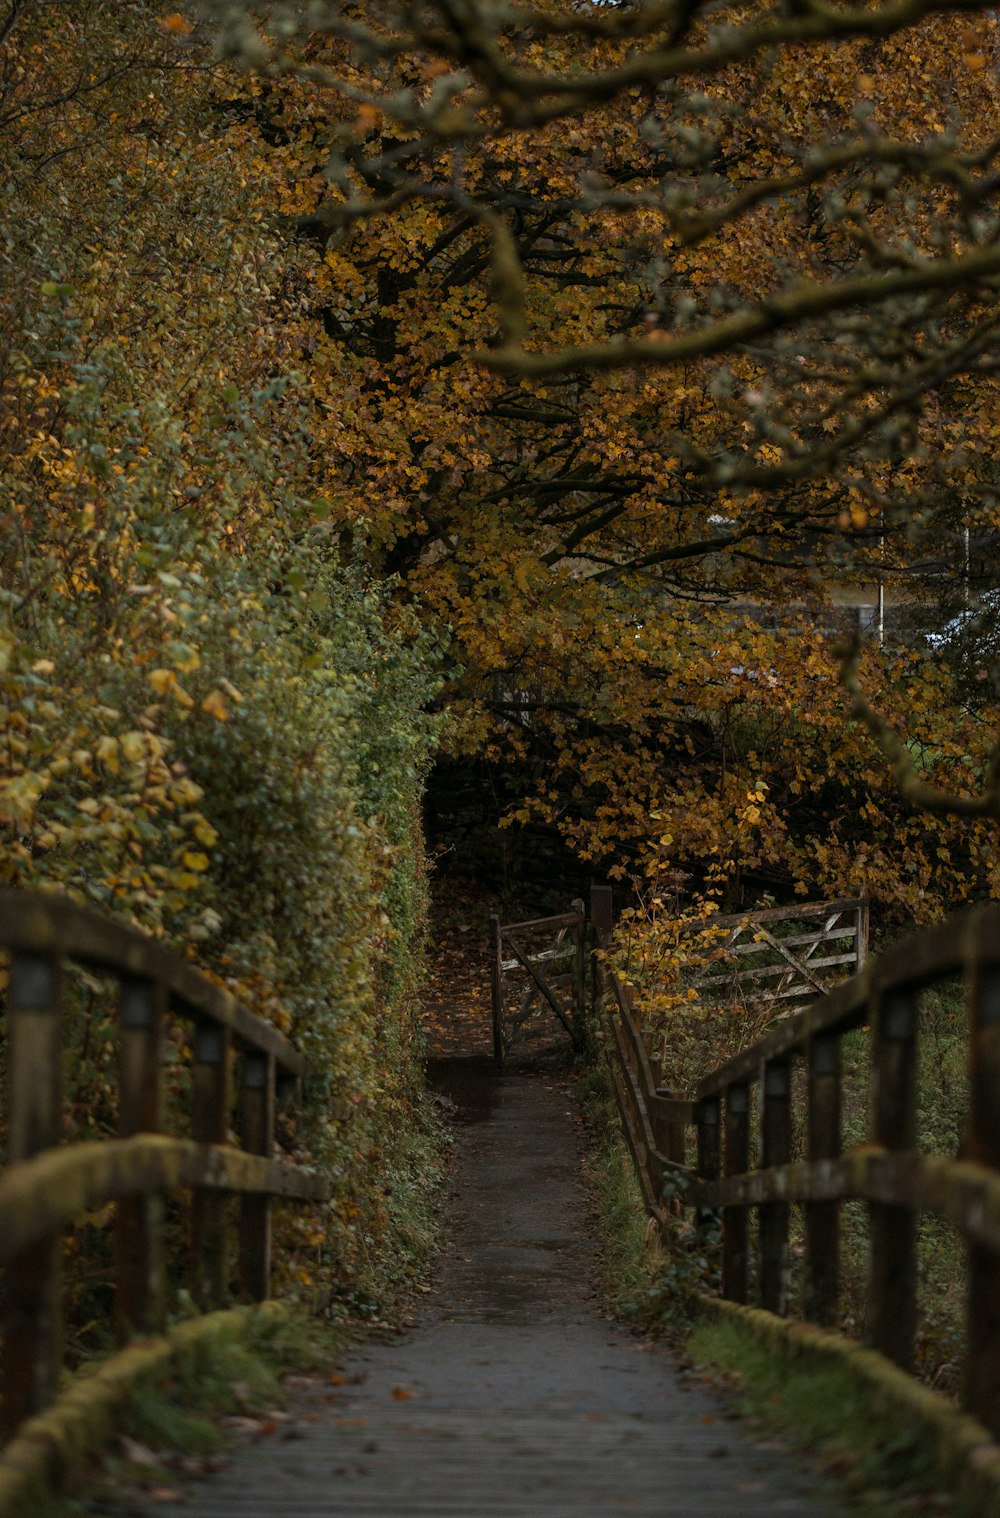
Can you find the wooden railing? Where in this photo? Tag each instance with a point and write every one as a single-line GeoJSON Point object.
{"type": "Point", "coordinates": [47, 1184]}
{"type": "Point", "coordinates": [888, 1172]}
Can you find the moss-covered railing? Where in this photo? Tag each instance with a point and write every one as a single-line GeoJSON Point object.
{"type": "Point", "coordinates": [728, 1182]}
{"type": "Point", "coordinates": [238, 1063]}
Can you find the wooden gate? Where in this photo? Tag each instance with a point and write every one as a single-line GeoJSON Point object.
{"type": "Point", "coordinates": [539, 972]}
{"type": "Point", "coordinates": [787, 954]}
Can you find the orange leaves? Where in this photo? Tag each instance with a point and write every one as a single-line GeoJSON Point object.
{"type": "Point", "coordinates": [176, 25]}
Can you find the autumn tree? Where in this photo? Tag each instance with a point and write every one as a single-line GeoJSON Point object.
{"type": "Point", "coordinates": [214, 725]}
{"type": "Point", "coordinates": [647, 332]}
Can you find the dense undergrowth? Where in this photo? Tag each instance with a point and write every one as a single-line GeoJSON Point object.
{"type": "Point", "coordinates": [213, 717]}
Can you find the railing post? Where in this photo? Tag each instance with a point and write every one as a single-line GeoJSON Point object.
{"type": "Point", "coordinates": [709, 1156]}
{"type": "Point", "coordinates": [496, 977]}
{"type": "Point", "coordinates": [209, 1125]}
{"type": "Point", "coordinates": [602, 921]}
{"type": "Point", "coordinates": [580, 975]}
{"type": "Point", "coordinates": [822, 1219]}
{"type": "Point", "coordinates": [981, 1383]}
{"type": "Point", "coordinates": [735, 1219]}
{"type": "Point", "coordinates": [891, 1317]}
{"type": "Point", "coordinates": [32, 1345]}
{"type": "Point", "coordinates": [140, 1271]}
{"type": "Point", "coordinates": [257, 1110]}
{"type": "Point", "coordinates": [776, 1149]}
{"type": "Point", "coordinates": [861, 930]}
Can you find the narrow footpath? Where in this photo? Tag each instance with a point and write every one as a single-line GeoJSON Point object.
{"type": "Point", "coordinates": [515, 1395]}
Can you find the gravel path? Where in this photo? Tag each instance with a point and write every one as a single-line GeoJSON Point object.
{"type": "Point", "coordinates": [515, 1394]}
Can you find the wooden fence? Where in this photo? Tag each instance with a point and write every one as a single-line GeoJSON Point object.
{"type": "Point", "coordinates": [47, 1184]}
{"type": "Point", "coordinates": [539, 968]}
{"type": "Point", "coordinates": [786, 954]}
{"type": "Point", "coordinates": [888, 1172]}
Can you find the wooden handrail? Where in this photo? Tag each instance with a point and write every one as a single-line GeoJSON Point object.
{"type": "Point", "coordinates": [888, 1172]}
{"type": "Point", "coordinates": [47, 1184]}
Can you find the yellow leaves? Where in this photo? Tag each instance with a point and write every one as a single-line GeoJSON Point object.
{"type": "Point", "coordinates": [19, 796]}
{"type": "Point", "coordinates": [106, 752]}
{"type": "Point", "coordinates": [195, 862]}
{"type": "Point", "coordinates": [165, 683]}
{"type": "Point", "coordinates": [215, 706]}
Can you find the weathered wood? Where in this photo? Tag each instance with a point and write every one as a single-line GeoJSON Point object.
{"type": "Point", "coordinates": [36, 923]}
{"type": "Point", "coordinates": [140, 1267]}
{"type": "Point", "coordinates": [981, 1380]}
{"type": "Point", "coordinates": [42, 1195]}
{"type": "Point", "coordinates": [579, 974]}
{"type": "Point", "coordinates": [735, 1255]}
{"type": "Point", "coordinates": [32, 1342]}
{"type": "Point", "coordinates": [822, 1219]}
{"type": "Point", "coordinates": [257, 1112]}
{"type": "Point", "coordinates": [709, 1154]}
{"type": "Point", "coordinates": [775, 1149]}
{"type": "Point", "coordinates": [210, 1102]}
{"type": "Point", "coordinates": [543, 986]}
{"type": "Point", "coordinates": [891, 1317]}
{"type": "Point", "coordinates": [496, 979]}
{"type": "Point", "coordinates": [936, 954]}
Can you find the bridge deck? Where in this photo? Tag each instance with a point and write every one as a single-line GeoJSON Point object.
{"type": "Point", "coordinates": [515, 1394]}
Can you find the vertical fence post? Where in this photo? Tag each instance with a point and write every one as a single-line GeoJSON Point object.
{"type": "Point", "coordinates": [709, 1136]}
{"type": "Point", "coordinates": [602, 922]}
{"type": "Point", "coordinates": [580, 975]}
{"type": "Point", "coordinates": [140, 1271]}
{"type": "Point", "coordinates": [257, 1111]}
{"type": "Point", "coordinates": [861, 927]}
{"type": "Point", "coordinates": [776, 1149]}
{"type": "Point", "coordinates": [496, 976]}
{"type": "Point", "coordinates": [209, 1125]}
{"type": "Point", "coordinates": [891, 1318]}
{"type": "Point", "coordinates": [981, 1383]}
{"type": "Point", "coordinates": [32, 1344]}
{"type": "Point", "coordinates": [822, 1219]}
{"type": "Point", "coordinates": [735, 1219]}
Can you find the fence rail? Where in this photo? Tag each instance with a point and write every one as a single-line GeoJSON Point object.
{"type": "Point", "coordinates": [728, 1181]}
{"type": "Point", "coordinates": [47, 1184]}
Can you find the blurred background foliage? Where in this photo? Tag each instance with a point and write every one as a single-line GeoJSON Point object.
{"type": "Point", "coordinates": [214, 721]}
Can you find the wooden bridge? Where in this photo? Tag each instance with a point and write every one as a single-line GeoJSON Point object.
{"type": "Point", "coordinates": [523, 1369]}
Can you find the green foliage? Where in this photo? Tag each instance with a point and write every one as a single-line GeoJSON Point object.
{"type": "Point", "coordinates": [829, 1413]}
{"type": "Point", "coordinates": [214, 719]}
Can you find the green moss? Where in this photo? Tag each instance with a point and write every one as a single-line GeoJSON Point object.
{"type": "Point", "coordinates": [896, 1445]}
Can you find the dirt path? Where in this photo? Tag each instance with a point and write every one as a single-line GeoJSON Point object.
{"type": "Point", "coordinates": [515, 1396]}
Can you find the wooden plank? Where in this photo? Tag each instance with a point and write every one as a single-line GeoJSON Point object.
{"type": "Point", "coordinates": [544, 989]}
{"type": "Point", "coordinates": [709, 1155]}
{"type": "Point", "coordinates": [735, 1250]}
{"type": "Point", "coordinates": [140, 1263]}
{"type": "Point", "coordinates": [822, 1219]}
{"type": "Point", "coordinates": [789, 914]}
{"type": "Point", "coordinates": [32, 1342]}
{"type": "Point", "coordinates": [257, 1104]}
{"type": "Point", "coordinates": [210, 1103]}
{"type": "Point", "coordinates": [496, 981]}
{"type": "Point", "coordinates": [891, 1316]}
{"type": "Point", "coordinates": [536, 924]}
{"type": "Point", "coordinates": [981, 1378]}
{"type": "Point", "coordinates": [776, 1149]}
{"type": "Point", "coordinates": [936, 954]}
{"type": "Point", "coordinates": [44, 1194]}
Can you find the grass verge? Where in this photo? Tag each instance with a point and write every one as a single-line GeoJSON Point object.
{"type": "Point", "coordinates": [826, 1410]}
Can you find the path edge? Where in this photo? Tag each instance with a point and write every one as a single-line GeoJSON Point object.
{"type": "Point", "coordinates": [49, 1448]}
{"type": "Point", "coordinates": [965, 1453]}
